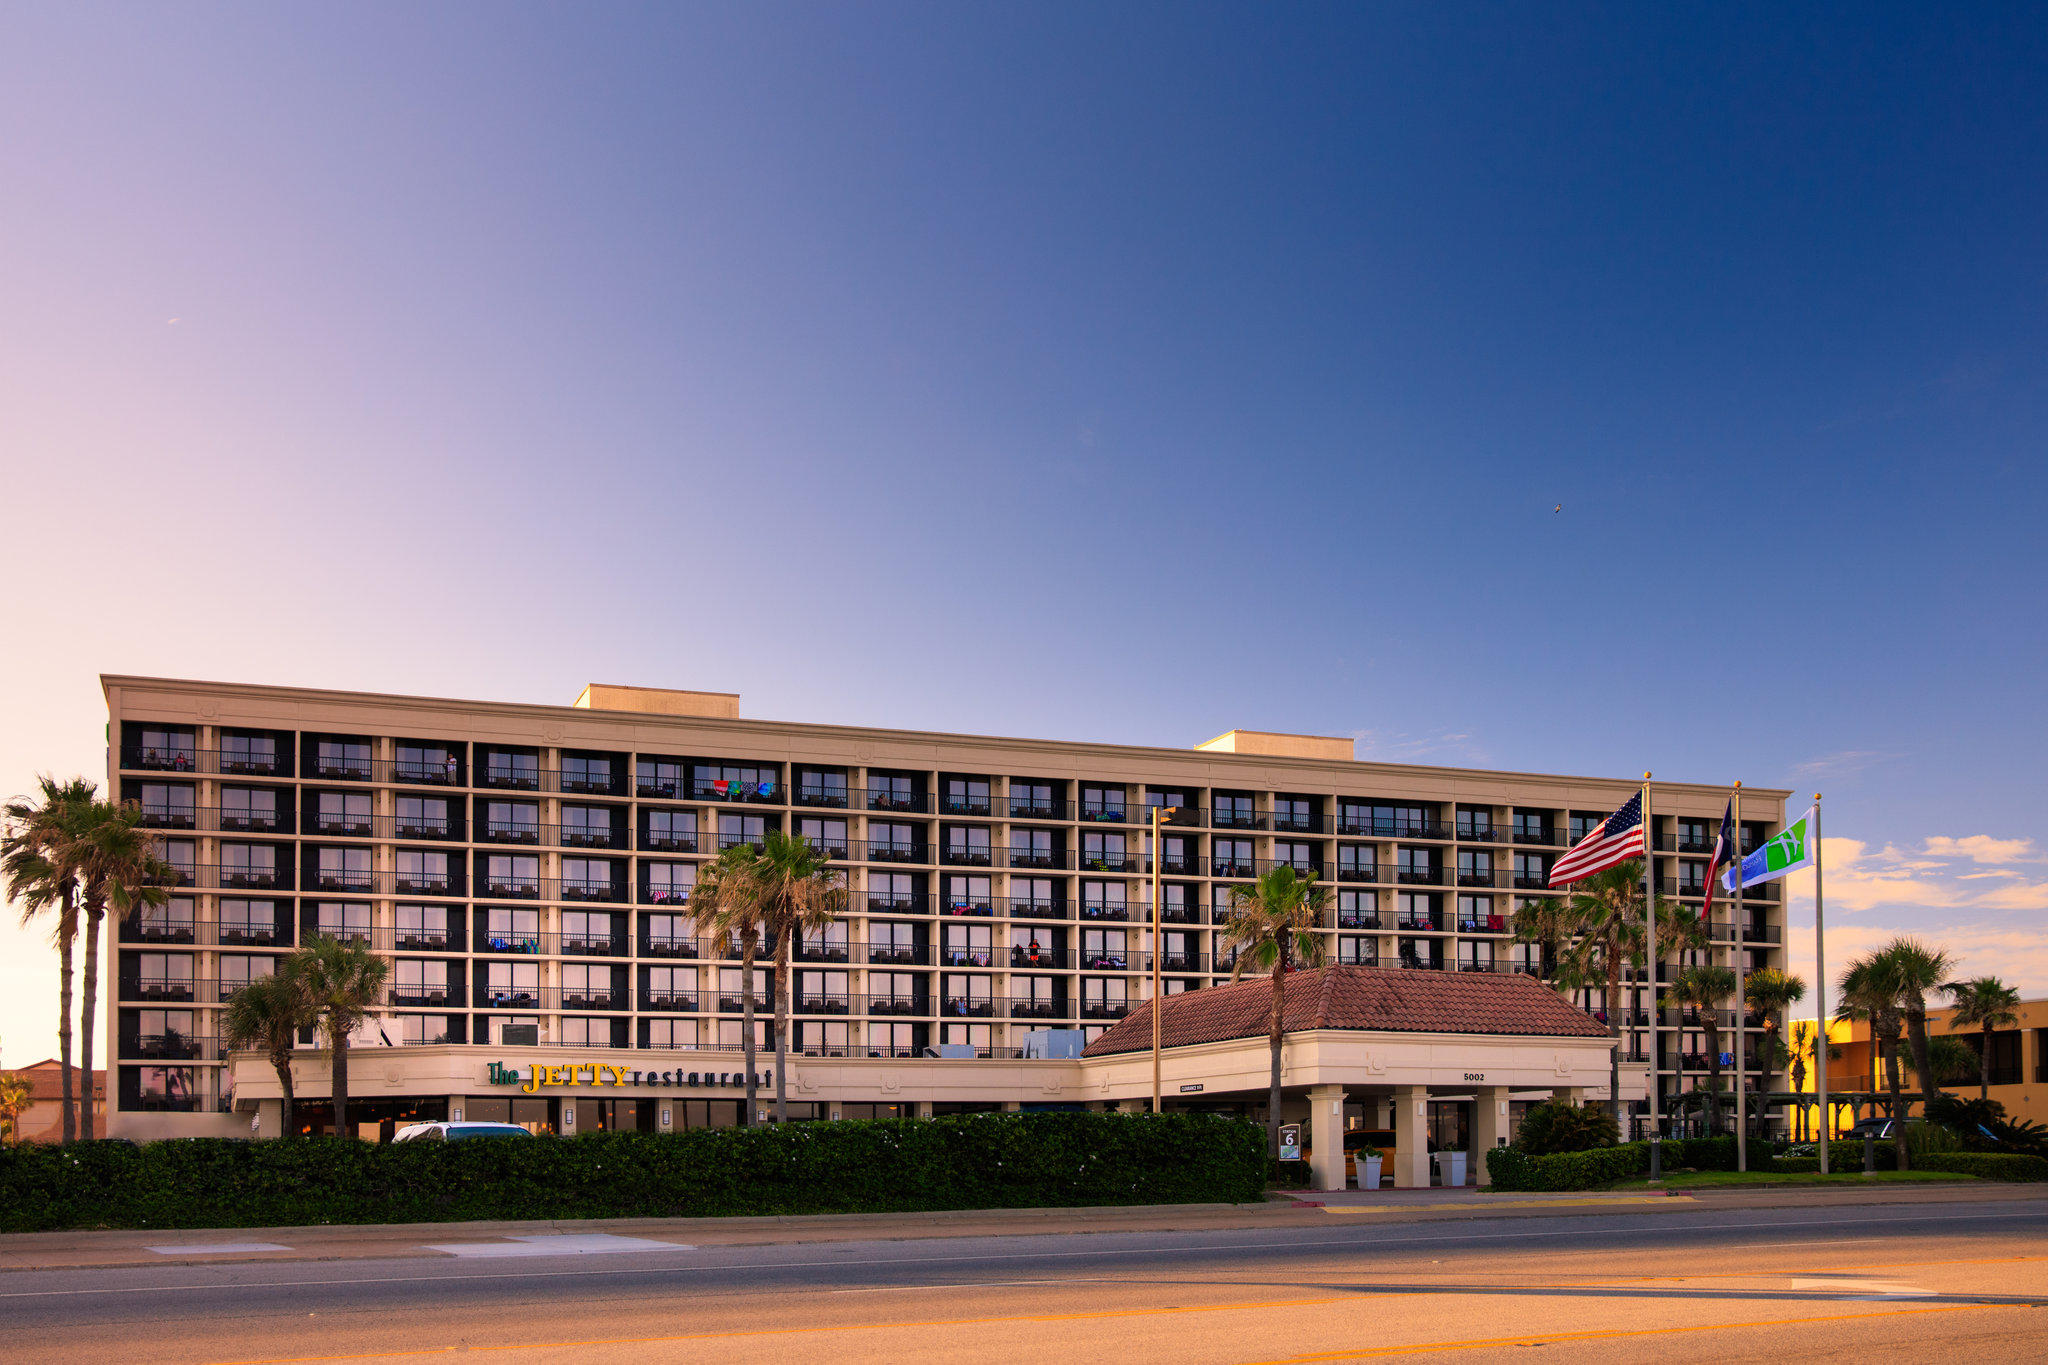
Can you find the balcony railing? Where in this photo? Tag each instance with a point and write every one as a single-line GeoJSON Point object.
{"type": "Point", "coordinates": [973, 807]}
{"type": "Point", "coordinates": [1039, 858]}
{"type": "Point", "coordinates": [1549, 836]}
{"type": "Point", "coordinates": [1419, 876]}
{"type": "Point", "coordinates": [1096, 861]}
{"type": "Point", "coordinates": [918, 803]}
{"type": "Point", "coordinates": [822, 952]}
{"type": "Point", "coordinates": [739, 793]}
{"type": "Point", "coordinates": [1370, 872]}
{"type": "Point", "coordinates": [192, 760]}
{"type": "Point", "coordinates": [672, 1001]}
{"type": "Point", "coordinates": [1022, 808]}
{"type": "Point", "coordinates": [893, 851]}
{"type": "Point", "coordinates": [880, 903]}
{"type": "Point", "coordinates": [1109, 813]}
{"type": "Point", "coordinates": [671, 842]}
{"type": "Point", "coordinates": [819, 797]}
{"type": "Point", "coordinates": [965, 855]}
{"type": "Point", "coordinates": [427, 995]}
{"type": "Point", "coordinates": [672, 947]}
{"type": "Point", "coordinates": [1481, 834]}
{"type": "Point", "coordinates": [650, 893]}
{"type": "Point", "coordinates": [1222, 818]}
{"type": "Point", "coordinates": [1108, 910]}
{"type": "Point", "coordinates": [1368, 826]}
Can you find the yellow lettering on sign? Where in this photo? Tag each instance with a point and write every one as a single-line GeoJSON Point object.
{"type": "Point", "coordinates": [534, 1076]}
{"type": "Point", "coordinates": [555, 1076]}
{"type": "Point", "coordinates": [618, 1074]}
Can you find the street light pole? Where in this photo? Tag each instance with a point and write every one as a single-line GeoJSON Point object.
{"type": "Point", "coordinates": [1157, 999]}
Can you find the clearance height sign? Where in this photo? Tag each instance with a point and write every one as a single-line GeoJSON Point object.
{"type": "Point", "coordinates": [537, 1077]}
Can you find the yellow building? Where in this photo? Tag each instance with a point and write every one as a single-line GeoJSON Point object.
{"type": "Point", "coordinates": [2017, 1072]}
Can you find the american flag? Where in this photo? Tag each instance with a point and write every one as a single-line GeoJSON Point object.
{"type": "Point", "coordinates": [1724, 850]}
{"type": "Point", "coordinates": [1619, 838]}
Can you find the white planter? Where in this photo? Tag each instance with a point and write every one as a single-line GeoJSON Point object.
{"type": "Point", "coordinates": [1370, 1180]}
{"type": "Point", "coordinates": [1450, 1169]}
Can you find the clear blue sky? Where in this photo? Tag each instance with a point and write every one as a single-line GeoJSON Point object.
{"type": "Point", "coordinates": [1110, 372]}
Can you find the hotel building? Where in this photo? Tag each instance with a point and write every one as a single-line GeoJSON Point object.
{"type": "Point", "coordinates": [526, 869]}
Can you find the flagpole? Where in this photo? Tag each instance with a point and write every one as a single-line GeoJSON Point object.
{"type": "Point", "coordinates": [1741, 999]}
{"type": "Point", "coordinates": [1650, 962]}
{"type": "Point", "coordinates": [1820, 995]}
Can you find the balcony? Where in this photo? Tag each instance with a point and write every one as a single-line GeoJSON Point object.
{"type": "Point", "coordinates": [1105, 1009]}
{"type": "Point", "coordinates": [961, 855]}
{"type": "Point", "coordinates": [427, 995]}
{"type": "Point", "coordinates": [984, 905]}
{"type": "Point", "coordinates": [1369, 872]}
{"type": "Point", "coordinates": [158, 988]}
{"type": "Point", "coordinates": [971, 959]}
{"type": "Point", "coordinates": [168, 1046]}
{"type": "Point", "coordinates": [1042, 859]}
{"type": "Point", "coordinates": [1222, 818]}
{"type": "Point", "coordinates": [1177, 865]}
{"type": "Point", "coordinates": [897, 955]}
{"type": "Point", "coordinates": [584, 836]}
{"type": "Point", "coordinates": [1040, 960]}
{"type": "Point", "coordinates": [1301, 824]}
{"type": "Point", "coordinates": [1106, 813]}
{"type": "Point", "coordinates": [1419, 876]}
{"type": "Point", "coordinates": [251, 936]}
{"type": "Point", "coordinates": [1021, 907]}
{"type": "Point", "coordinates": [170, 817]}
{"type": "Point", "coordinates": [1532, 881]}
{"type": "Point", "coordinates": [918, 803]}
{"type": "Point", "coordinates": [735, 1004]}
{"type": "Point", "coordinates": [740, 793]}
{"type": "Point", "coordinates": [880, 851]}
{"type": "Point", "coordinates": [1547, 836]}
{"type": "Point", "coordinates": [913, 903]}
{"type": "Point", "coordinates": [1025, 809]}
{"type": "Point", "coordinates": [1232, 867]}
{"type": "Point", "coordinates": [670, 894]}
{"type": "Point", "coordinates": [418, 940]}
{"type": "Point", "coordinates": [1030, 1007]}
{"type": "Point", "coordinates": [977, 807]}
{"type": "Point", "coordinates": [675, 1002]}
{"type": "Point", "coordinates": [670, 946]}
{"type": "Point", "coordinates": [820, 797]}
{"type": "Point", "coordinates": [1108, 911]}
{"type": "Point", "coordinates": [1481, 834]}
{"type": "Point", "coordinates": [668, 843]}
{"type": "Point", "coordinates": [176, 759]}
{"type": "Point", "coordinates": [1367, 826]}
{"type": "Point", "coordinates": [1477, 877]}
{"type": "Point", "coordinates": [509, 832]}
{"type": "Point", "coordinates": [1307, 871]}
{"type": "Point", "coordinates": [1355, 919]}
{"type": "Point", "coordinates": [242, 821]}
{"type": "Point", "coordinates": [822, 952]}
{"type": "Point", "coordinates": [656, 785]}
{"type": "Point", "coordinates": [968, 1007]}
{"type": "Point", "coordinates": [1101, 862]}
{"type": "Point", "coordinates": [1179, 914]}
{"type": "Point", "coordinates": [242, 878]}
{"type": "Point", "coordinates": [814, 1002]}
{"type": "Point", "coordinates": [164, 931]}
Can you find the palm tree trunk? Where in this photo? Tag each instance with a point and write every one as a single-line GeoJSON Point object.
{"type": "Point", "coordinates": [1713, 1075]}
{"type": "Point", "coordinates": [1891, 1080]}
{"type": "Point", "coordinates": [1612, 999]}
{"type": "Point", "coordinates": [747, 949]}
{"type": "Point", "coordinates": [284, 1083]}
{"type": "Point", "coordinates": [1274, 1036]}
{"type": "Point", "coordinates": [782, 1026]}
{"type": "Point", "coordinates": [87, 1007]}
{"type": "Point", "coordinates": [339, 1085]}
{"type": "Point", "coordinates": [1916, 1033]}
{"type": "Point", "coordinates": [1984, 1065]}
{"type": "Point", "coordinates": [64, 1041]}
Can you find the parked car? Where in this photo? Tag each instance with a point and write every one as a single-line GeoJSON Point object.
{"type": "Point", "coordinates": [457, 1132]}
{"type": "Point", "coordinates": [1879, 1128]}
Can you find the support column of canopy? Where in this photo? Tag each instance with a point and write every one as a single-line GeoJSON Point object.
{"type": "Point", "coordinates": [1489, 1127]}
{"type": "Point", "coordinates": [1326, 1137]}
{"type": "Point", "coordinates": [1411, 1137]}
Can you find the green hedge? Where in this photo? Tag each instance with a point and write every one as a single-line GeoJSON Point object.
{"type": "Point", "coordinates": [1511, 1169]}
{"type": "Point", "coordinates": [982, 1161]}
{"type": "Point", "coordinates": [1843, 1155]}
{"type": "Point", "coordinates": [1985, 1165]}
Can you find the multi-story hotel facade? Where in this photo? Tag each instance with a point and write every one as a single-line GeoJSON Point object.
{"type": "Point", "coordinates": [526, 869]}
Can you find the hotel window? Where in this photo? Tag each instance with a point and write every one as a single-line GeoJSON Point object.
{"type": "Point", "coordinates": [1416, 865]}
{"type": "Point", "coordinates": [1526, 958]}
{"type": "Point", "coordinates": [248, 753]}
{"type": "Point", "coordinates": [1176, 902]}
{"type": "Point", "coordinates": [1103, 852]}
{"type": "Point", "coordinates": [182, 855]}
{"type": "Point", "coordinates": [167, 1087]}
{"type": "Point", "coordinates": [671, 935]}
{"type": "Point", "coordinates": [891, 891]}
{"type": "Point", "coordinates": [1104, 995]}
{"type": "Point", "coordinates": [247, 808]}
{"type": "Point", "coordinates": [975, 1036]}
{"type": "Point", "coordinates": [1475, 822]}
{"type": "Point", "coordinates": [1692, 878]}
{"type": "Point", "coordinates": [165, 975]}
{"type": "Point", "coordinates": [512, 821]}
{"type": "Point", "coordinates": [1693, 837]}
{"type": "Point", "coordinates": [1105, 949]}
{"type": "Point", "coordinates": [1358, 910]}
{"type": "Point", "coordinates": [421, 871]}
{"type": "Point", "coordinates": [415, 1030]}
{"type": "Point", "coordinates": [967, 996]}
{"type": "Point", "coordinates": [1032, 848]}
{"type": "Point", "coordinates": [1105, 900]}
{"type": "Point", "coordinates": [1293, 812]}
{"type": "Point", "coordinates": [1475, 867]}
{"type": "Point", "coordinates": [673, 830]}
{"type": "Point", "coordinates": [1031, 893]}
{"type": "Point", "coordinates": [1532, 826]}
{"type": "Point", "coordinates": [1220, 907]}
{"type": "Point", "coordinates": [1178, 850]}
{"type": "Point", "coordinates": [734, 781]}
{"type": "Point", "coordinates": [672, 988]}
{"type": "Point", "coordinates": [890, 941]}
{"type": "Point", "coordinates": [168, 750]}
{"type": "Point", "coordinates": [967, 796]}
{"type": "Point", "coordinates": [823, 1038]}
{"type": "Point", "coordinates": [828, 836]}
{"type": "Point", "coordinates": [1414, 911]}
{"type": "Point", "coordinates": [729, 1031]}
{"type": "Point", "coordinates": [1356, 950]}
{"type": "Point", "coordinates": [892, 1040]}
{"type": "Point", "coordinates": [512, 983]}
{"type": "Point", "coordinates": [247, 921]}
{"type": "Point", "coordinates": [425, 763]}
{"type": "Point", "coordinates": [1164, 798]}
{"type": "Point", "coordinates": [1475, 955]}
{"type": "Point", "coordinates": [513, 931]}
{"type": "Point", "coordinates": [1583, 823]}
{"type": "Point", "coordinates": [821, 990]}
{"type": "Point", "coordinates": [588, 878]}
{"type": "Point", "coordinates": [672, 1033]}
{"type": "Point", "coordinates": [1418, 953]}
{"type": "Point", "coordinates": [416, 981]}
{"type": "Point", "coordinates": [888, 792]}
{"type": "Point", "coordinates": [968, 945]}
{"type": "Point", "coordinates": [1178, 952]}
{"type": "Point", "coordinates": [339, 869]}
{"type": "Point", "coordinates": [1476, 916]}
{"type": "Point", "coordinates": [348, 921]}
{"type": "Point", "coordinates": [167, 804]}
{"type": "Point", "coordinates": [1532, 871]}
{"type": "Point", "coordinates": [735, 830]}
{"type": "Point", "coordinates": [1102, 803]}
{"type": "Point", "coordinates": [585, 986]}
{"type": "Point", "coordinates": [826, 943]}
{"type": "Point", "coordinates": [669, 883]}
{"type": "Point", "coordinates": [586, 773]}
{"type": "Point", "coordinates": [820, 787]}
{"type": "Point", "coordinates": [342, 813]}
{"type": "Point", "coordinates": [965, 895]}
{"type": "Point", "coordinates": [587, 931]}
{"type": "Point", "coordinates": [521, 771]}
{"type": "Point", "coordinates": [348, 758]}
{"type": "Point", "coordinates": [239, 969]}
{"type": "Point", "coordinates": [512, 874]}
{"type": "Point", "coordinates": [421, 816]}
{"type": "Point", "coordinates": [586, 1033]}
{"type": "Point", "coordinates": [170, 922]}
{"type": "Point", "coordinates": [586, 826]}
{"type": "Point", "coordinates": [165, 1033]}
{"type": "Point", "coordinates": [967, 844]}
{"type": "Point", "coordinates": [896, 989]}
{"type": "Point", "coordinates": [891, 842]}
{"type": "Point", "coordinates": [256, 864]}
{"type": "Point", "coordinates": [1357, 863]}
{"type": "Point", "coordinates": [1039, 991]}
{"type": "Point", "coordinates": [1301, 857]}
{"type": "Point", "coordinates": [1029, 949]}
{"type": "Point", "coordinates": [658, 777]}
{"type": "Point", "coordinates": [730, 998]}
{"type": "Point", "coordinates": [1031, 798]}
{"type": "Point", "coordinates": [1232, 811]}
{"type": "Point", "coordinates": [421, 926]}
{"type": "Point", "coordinates": [1230, 857]}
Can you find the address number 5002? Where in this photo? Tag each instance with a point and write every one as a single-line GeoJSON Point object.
{"type": "Point", "coordinates": [1475, 1075]}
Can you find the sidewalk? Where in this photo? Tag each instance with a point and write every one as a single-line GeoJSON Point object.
{"type": "Point", "coordinates": [1302, 1210]}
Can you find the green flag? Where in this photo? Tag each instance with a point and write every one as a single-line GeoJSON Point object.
{"type": "Point", "coordinates": [1786, 851]}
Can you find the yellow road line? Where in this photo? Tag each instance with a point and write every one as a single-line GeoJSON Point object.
{"type": "Point", "coordinates": [1672, 1199]}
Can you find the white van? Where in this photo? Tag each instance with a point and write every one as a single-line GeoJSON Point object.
{"type": "Point", "coordinates": [457, 1132]}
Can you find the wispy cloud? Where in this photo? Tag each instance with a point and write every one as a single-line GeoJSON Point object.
{"type": "Point", "coordinates": [1983, 848]}
{"type": "Point", "coordinates": [1841, 763]}
{"type": "Point", "coordinates": [1400, 746]}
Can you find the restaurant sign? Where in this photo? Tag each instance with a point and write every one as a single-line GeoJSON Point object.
{"type": "Point", "coordinates": [599, 1074]}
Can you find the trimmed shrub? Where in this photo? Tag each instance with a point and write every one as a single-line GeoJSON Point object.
{"type": "Point", "coordinates": [1985, 1165]}
{"type": "Point", "coordinates": [1701, 1154]}
{"type": "Point", "coordinates": [1843, 1155]}
{"type": "Point", "coordinates": [981, 1161]}
{"type": "Point", "coordinates": [1558, 1126]}
{"type": "Point", "coordinates": [1513, 1169]}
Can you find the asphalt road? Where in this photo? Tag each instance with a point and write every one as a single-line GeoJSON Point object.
{"type": "Point", "coordinates": [1961, 1281]}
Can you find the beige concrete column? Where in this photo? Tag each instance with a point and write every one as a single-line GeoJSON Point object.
{"type": "Point", "coordinates": [1489, 1126]}
{"type": "Point", "coordinates": [269, 1119]}
{"type": "Point", "coordinates": [1569, 1094]}
{"type": "Point", "coordinates": [1013, 1106]}
{"type": "Point", "coordinates": [1133, 1106]}
{"type": "Point", "coordinates": [924, 1109]}
{"type": "Point", "coordinates": [1411, 1137]}
{"type": "Point", "coordinates": [1326, 1137]}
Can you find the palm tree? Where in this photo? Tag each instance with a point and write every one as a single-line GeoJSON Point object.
{"type": "Point", "coordinates": [1272, 924]}
{"type": "Point", "coordinates": [1990, 1004]}
{"type": "Point", "coordinates": [1918, 969]}
{"type": "Point", "coordinates": [1954, 1061]}
{"type": "Point", "coordinates": [1591, 934]}
{"type": "Point", "coordinates": [1704, 988]}
{"type": "Point", "coordinates": [1771, 993]}
{"type": "Point", "coordinates": [35, 859]}
{"type": "Point", "coordinates": [1871, 989]}
{"type": "Point", "coordinates": [343, 982]}
{"type": "Point", "coordinates": [16, 1094]}
{"type": "Point", "coordinates": [269, 1013]}
{"type": "Point", "coordinates": [725, 904]}
{"type": "Point", "coordinates": [799, 894]}
{"type": "Point", "coordinates": [118, 868]}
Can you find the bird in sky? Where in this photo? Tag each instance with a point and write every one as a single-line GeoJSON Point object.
{"type": "Point", "coordinates": [1558, 508]}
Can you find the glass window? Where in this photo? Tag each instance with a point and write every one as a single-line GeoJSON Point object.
{"type": "Point", "coordinates": [513, 931]}
{"type": "Point", "coordinates": [967, 796]}
{"type": "Point", "coordinates": [247, 753]}
{"type": "Point", "coordinates": [1230, 857]}
{"type": "Point", "coordinates": [247, 808]}
{"type": "Point", "coordinates": [247, 921]}
{"type": "Point", "coordinates": [512, 984]}
{"type": "Point", "coordinates": [345, 920]}
{"type": "Point", "coordinates": [422, 926]}
{"type": "Point", "coordinates": [1233, 810]}
{"type": "Point", "coordinates": [421, 815]}
{"type": "Point", "coordinates": [419, 870]}
{"type": "Point", "coordinates": [735, 830]}
{"type": "Point", "coordinates": [502, 769]}
{"type": "Point", "coordinates": [828, 836]}
{"type": "Point", "coordinates": [1031, 798]}
{"type": "Point", "coordinates": [517, 821]}
{"type": "Point", "coordinates": [672, 1033]}
{"type": "Point", "coordinates": [168, 750]}
{"type": "Point", "coordinates": [425, 763]}
{"type": "Point", "coordinates": [512, 875]}
{"type": "Point", "coordinates": [820, 787]}
{"type": "Point", "coordinates": [586, 773]}
{"type": "Point", "coordinates": [1358, 910]}
{"type": "Point", "coordinates": [893, 891]}
{"type": "Point", "coordinates": [670, 883]}
{"type": "Point", "coordinates": [239, 969]}
{"type": "Point", "coordinates": [340, 869]}
{"type": "Point", "coordinates": [586, 878]}
{"type": "Point", "coordinates": [659, 777]}
{"type": "Point", "coordinates": [343, 812]}
{"type": "Point", "coordinates": [887, 791]}
{"type": "Point", "coordinates": [1102, 803]}
{"type": "Point", "coordinates": [967, 844]}
{"type": "Point", "coordinates": [347, 758]}
{"type": "Point", "coordinates": [673, 830]}
{"type": "Point", "coordinates": [1357, 951]}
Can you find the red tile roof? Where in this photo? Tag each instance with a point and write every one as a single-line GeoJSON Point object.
{"type": "Point", "coordinates": [46, 1081]}
{"type": "Point", "coordinates": [1371, 999]}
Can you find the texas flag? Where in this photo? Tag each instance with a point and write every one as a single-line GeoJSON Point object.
{"type": "Point", "coordinates": [1724, 852]}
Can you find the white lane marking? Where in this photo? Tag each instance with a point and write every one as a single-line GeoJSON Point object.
{"type": "Point", "coordinates": [1863, 1288]}
{"type": "Point", "coordinates": [559, 1244]}
{"type": "Point", "coordinates": [976, 1284]}
{"type": "Point", "coordinates": [216, 1248]}
{"type": "Point", "coordinates": [842, 1264]}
